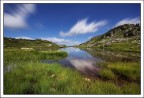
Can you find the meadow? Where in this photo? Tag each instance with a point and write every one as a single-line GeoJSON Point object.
{"type": "Point", "coordinates": [24, 73]}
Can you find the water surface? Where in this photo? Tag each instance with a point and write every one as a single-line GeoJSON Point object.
{"type": "Point", "coordinates": [79, 59]}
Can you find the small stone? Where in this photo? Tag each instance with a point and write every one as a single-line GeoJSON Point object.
{"type": "Point", "coordinates": [52, 75]}
{"type": "Point", "coordinates": [87, 79]}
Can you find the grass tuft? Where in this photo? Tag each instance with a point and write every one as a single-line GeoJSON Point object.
{"type": "Point", "coordinates": [130, 70]}
{"type": "Point", "coordinates": [107, 74]}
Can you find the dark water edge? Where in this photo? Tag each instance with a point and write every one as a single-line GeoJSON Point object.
{"type": "Point", "coordinates": [113, 56]}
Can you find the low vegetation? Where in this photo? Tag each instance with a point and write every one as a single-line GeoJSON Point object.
{"type": "Point", "coordinates": [124, 46]}
{"type": "Point", "coordinates": [130, 70]}
{"type": "Point", "coordinates": [107, 74]}
{"type": "Point", "coordinates": [30, 76]}
{"type": "Point", "coordinates": [38, 78]}
{"type": "Point", "coordinates": [26, 44]}
{"type": "Point", "coordinates": [21, 56]}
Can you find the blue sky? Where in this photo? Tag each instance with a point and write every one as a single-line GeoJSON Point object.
{"type": "Point", "coordinates": [68, 24]}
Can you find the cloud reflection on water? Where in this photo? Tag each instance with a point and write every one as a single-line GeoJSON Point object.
{"type": "Point", "coordinates": [85, 66]}
{"type": "Point", "coordinates": [81, 60]}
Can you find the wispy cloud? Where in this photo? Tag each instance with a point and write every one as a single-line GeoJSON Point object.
{"type": "Point", "coordinates": [61, 41]}
{"type": "Point", "coordinates": [54, 39]}
{"type": "Point", "coordinates": [24, 37]}
{"type": "Point", "coordinates": [17, 19]}
{"type": "Point", "coordinates": [83, 27]}
{"type": "Point", "coordinates": [128, 21]}
{"type": "Point", "coordinates": [90, 37]}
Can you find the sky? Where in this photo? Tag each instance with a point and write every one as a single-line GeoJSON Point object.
{"type": "Point", "coordinates": [66, 24]}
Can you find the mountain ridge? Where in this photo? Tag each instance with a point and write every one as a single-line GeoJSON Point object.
{"type": "Point", "coordinates": [124, 36]}
{"type": "Point", "coordinates": [36, 44]}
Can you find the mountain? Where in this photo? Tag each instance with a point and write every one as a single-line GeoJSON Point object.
{"type": "Point", "coordinates": [37, 44]}
{"type": "Point", "coordinates": [122, 38]}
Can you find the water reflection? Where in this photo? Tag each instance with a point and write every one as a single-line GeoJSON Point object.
{"type": "Point", "coordinates": [85, 66]}
{"type": "Point", "coordinates": [79, 59]}
{"type": "Point", "coordinates": [115, 55]}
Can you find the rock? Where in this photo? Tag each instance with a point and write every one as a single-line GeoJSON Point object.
{"type": "Point", "coordinates": [27, 48]}
{"type": "Point", "coordinates": [87, 79]}
{"type": "Point", "coordinates": [52, 75]}
{"type": "Point", "coordinates": [49, 45]}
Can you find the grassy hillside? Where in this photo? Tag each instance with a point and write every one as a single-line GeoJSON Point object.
{"type": "Point", "coordinates": [122, 38]}
{"type": "Point", "coordinates": [37, 44]}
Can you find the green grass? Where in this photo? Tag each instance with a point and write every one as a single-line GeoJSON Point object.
{"type": "Point", "coordinates": [124, 46]}
{"type": "Point", "coordinates": [130, 70]}
{"type": "Point", "coordinates": [21, 56]}
{"type": "Point", "coordinates": [36, 44]}
{"type": "Point", "coordinates": [54, 55]}
{"type": "Point", "coordinates": [30, 76]}
{"type": "Point", "coordinates": [38, 78]}
{"type": "Point", "coordinates": [107, 74]}
{"type": "Point", "coordinates": [131, 88]}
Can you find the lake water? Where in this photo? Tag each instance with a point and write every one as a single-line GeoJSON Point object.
{"type": "Point", "coordinates": [80, 60]}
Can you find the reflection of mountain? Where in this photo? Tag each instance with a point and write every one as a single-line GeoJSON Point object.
{"type": "Point", "coordinates": [114, 55]}
{"type": "Point", "coordinates": [77, 53]}
{"type": "Point", "coordinates": [122, 38]}
{"type": "Point", "coordinates": [71, 49]}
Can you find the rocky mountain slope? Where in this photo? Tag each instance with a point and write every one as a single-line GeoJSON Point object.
{"type": "Point", "coordinates": [122, 38]}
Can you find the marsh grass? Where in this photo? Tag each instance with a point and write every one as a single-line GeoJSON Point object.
{"type": "Point", "coordinates": [21, 56]}
{"type": "Point", "coordinates": [129, 70]}
{"type": "Point", "coordinates": [30, 76]}
{"type": "Point", "coordinates": [38, 78]}
{"type": "Point", "coordinates": [107, 74]}
{"type": "Point", "coordinates": [53, 55]}
{"type": "Point", "coordinates": [131, 88]}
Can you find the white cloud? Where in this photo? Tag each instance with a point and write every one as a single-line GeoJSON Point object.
{"type": "Point", "coordinates": [18, 18]}
{"type": "Point", "coordinates": [83, 27]}
{"type": "Point", "coordinates": [90, 37]}
{"type": "Point", "coordinates": [54, 39]}
{"type": "Point", "coordinates": [61, 41]}
{"type": "Point", "coordinates": [24, 37]}
{"type": "Point", "coordinates": [128, 21]}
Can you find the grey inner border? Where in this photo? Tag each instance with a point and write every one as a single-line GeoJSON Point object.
{"type": "Point", "coordinates": [69, 0]}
